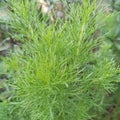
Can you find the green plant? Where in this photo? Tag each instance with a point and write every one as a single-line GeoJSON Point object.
{"type": "Point", "coordinates": [24, 19]}
{"type": "Point", "coordinates": [112, 29]}
{"type": "Point", "coordinates": [56, 75]}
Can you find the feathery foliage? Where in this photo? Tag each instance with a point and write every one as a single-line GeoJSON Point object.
{"type": "Point", "coordinates": [57, 75]}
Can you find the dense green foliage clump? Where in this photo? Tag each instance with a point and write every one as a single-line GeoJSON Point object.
{"type": "Point", "coordinates": [58, 74]}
